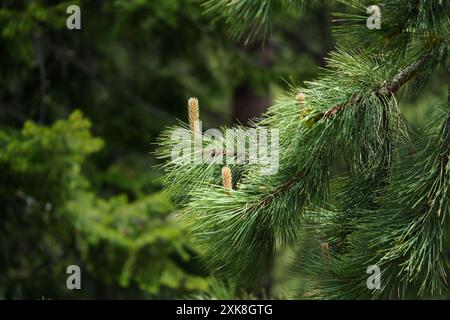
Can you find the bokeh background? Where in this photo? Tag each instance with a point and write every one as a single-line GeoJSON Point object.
{"type": "Point", "coordinates": [80, 111]}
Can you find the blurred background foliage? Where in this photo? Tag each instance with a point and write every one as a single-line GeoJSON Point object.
{"type": "Point", "coordinates": [79, 113]}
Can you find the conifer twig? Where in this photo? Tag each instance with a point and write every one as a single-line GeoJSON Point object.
{"type": "Point", "coordinates": [325, 248]}
{"type": "Point", "coordinates": [283, 188]}
{"type": "Point", "coordinates": [227, 180]}
{"type": "Point", "coordinates": [396, 83]}
{"type": "Point", "coordinates": [194, 121]}
{"type": "Point", "coordinates": [390, 88]}
{"type": "Point", "coordinates": [300, 98]}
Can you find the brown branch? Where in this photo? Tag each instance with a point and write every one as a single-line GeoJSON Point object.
{"type": "Point", "coordinates": [388, 89]}
{"type": "Point", "coordinates": [281, 189]}
{"type": "Point", "coordinates": [405, 75]}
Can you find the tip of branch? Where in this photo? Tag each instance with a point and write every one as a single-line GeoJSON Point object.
{"type": "Point", "coordinates": [227, 180]}
{"type": "Point", "coordinates": [193, 108]}
{"type": "Point", "coordinates": [300, 98]}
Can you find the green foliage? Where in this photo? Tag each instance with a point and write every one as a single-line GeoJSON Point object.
{"type": "Point", "coordinates": [51, 219]}
{"type": "Point", "coordinates": [135, 243]}
{"type": "Point", "coordinates": [402, 231]}
{"type": "Point", "coordinates": [252, 18]}
{"type": "Point", "coordinates": [222, 290]}
{"type": "Point", "coordinates": [40, 171]}
{"type": "Point", "coordinates": [29, 157]}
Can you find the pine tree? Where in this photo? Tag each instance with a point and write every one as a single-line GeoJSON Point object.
{"type": "Point", "coordinates": [358, 185]}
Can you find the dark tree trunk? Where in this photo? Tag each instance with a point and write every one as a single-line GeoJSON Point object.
{"type": "Point", "coordinates": [251, 100]}
{"type": "Point", "coordinates": [248, 103]}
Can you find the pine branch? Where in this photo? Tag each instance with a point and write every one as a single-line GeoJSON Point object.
{"type": "Point", "coordinates": [403, 233]}
{"type": "Point", "coordinates": [282, 189]}
{"type": "Point", "coordinates": [250, 18]}
{"type": "Point", "coordinates": [238, 228]}
{"type": "Point", "coordinates": [390, 88]}
{"type": "Point", "coordinates": [239, 224]}
{"type": "Point", "coordinates": [405, 75]}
